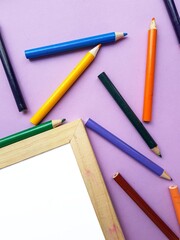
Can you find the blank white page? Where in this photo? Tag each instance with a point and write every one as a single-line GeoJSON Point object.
{"type": "Point", "coordinates": [45, 198]}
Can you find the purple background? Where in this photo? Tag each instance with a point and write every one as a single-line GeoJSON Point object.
{"type": "Point", "coordinates": [29, 24]}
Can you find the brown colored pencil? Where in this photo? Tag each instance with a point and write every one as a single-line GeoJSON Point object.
{"type": "Point", "coordinates": [145, 207]}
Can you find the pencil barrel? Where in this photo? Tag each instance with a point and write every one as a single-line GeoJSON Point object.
{"type": "Point", "coordinates": [175, 196]}
{"type": "Point", "coordinates": [11, 77]}
{"type": "Point", "coordinates": [144, 207]}
{"type": "Point", "coordinates": [172, 10]}
{"type": "Point", "coordinates": [127, 110]}
{"type": "Point", "coordinates": [62, 89]}
{"type": "Point", "coordinates": [174, 16]}
{"type": "Point", "coordinates": [25, 134]}
{"type": "Point", "coordinates": [149, 80]}
{"type": "Point", "coordinates": [124, 147]}
{"type": "Point", "coordinates": [70, 45]}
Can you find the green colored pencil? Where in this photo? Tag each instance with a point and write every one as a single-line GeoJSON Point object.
{"type": "Point", "coordinates": [16, 137]}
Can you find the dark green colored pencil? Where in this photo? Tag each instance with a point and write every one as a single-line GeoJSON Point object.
{"type": "Point", "coordinates": [30, 132]}
{"type": "Point", "coordinates": [129, 113]}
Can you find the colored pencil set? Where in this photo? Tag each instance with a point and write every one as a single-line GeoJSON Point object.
{"type": "Point", "coordinates": [96, 42]}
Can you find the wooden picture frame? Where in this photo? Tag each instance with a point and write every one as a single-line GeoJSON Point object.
{"type": "Point", "coordinates": [74, 134]}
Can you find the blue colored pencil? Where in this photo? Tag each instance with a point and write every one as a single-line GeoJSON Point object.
{"type": "Point", "coordinates": [127, 149]}
{"type": "Point", "coordinates": [74, 44]}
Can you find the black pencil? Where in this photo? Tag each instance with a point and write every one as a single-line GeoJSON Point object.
{"type": "Point", "coordinates": [174, 16]}
{"type": "Point", "coordinates": [129, 113]}
{"type": "Point", "coordinates": [11, 77]}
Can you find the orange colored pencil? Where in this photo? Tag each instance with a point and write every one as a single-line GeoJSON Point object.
{"type": "Point", "coordinates": [150, 69]}
{"type": "Point", "coordinates": [175, 196]}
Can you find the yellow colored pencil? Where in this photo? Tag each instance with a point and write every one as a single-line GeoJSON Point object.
{"type": "Point", "coordinates": [65, 85]}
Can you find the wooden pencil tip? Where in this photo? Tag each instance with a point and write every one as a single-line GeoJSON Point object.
{"type": "Point", "coordinates": [156, 151]}
{"type": "Point", "coordinates": [153, 24]}
{"type": "Point", "coordinates": [115, 175]}
{"type": "Point", "coordinates": [172, 186]}
{"type": "Point", "coordinates": [95, 50]}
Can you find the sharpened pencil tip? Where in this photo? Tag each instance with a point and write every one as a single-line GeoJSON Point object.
{"type": "Point", "coordinates": [160, 155]}
{"type": "Point", "coordinates": [95, 50]}
{"type": "Point", "coordinates": [153, 24]}
{"type": "Point", "coordinates": [63, 120]}
{"type": "Point", "coordinates": [120, 35]}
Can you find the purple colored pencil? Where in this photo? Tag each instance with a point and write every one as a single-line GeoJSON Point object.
{"type": "Point", "coordinates": [127, 149]}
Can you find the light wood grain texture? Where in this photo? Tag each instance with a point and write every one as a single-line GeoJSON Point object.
{"type": "Point", "coordinates": [75, 134]}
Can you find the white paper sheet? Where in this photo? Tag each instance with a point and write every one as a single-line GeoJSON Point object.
{"type": "Point", "coordinates": [44, 198]}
